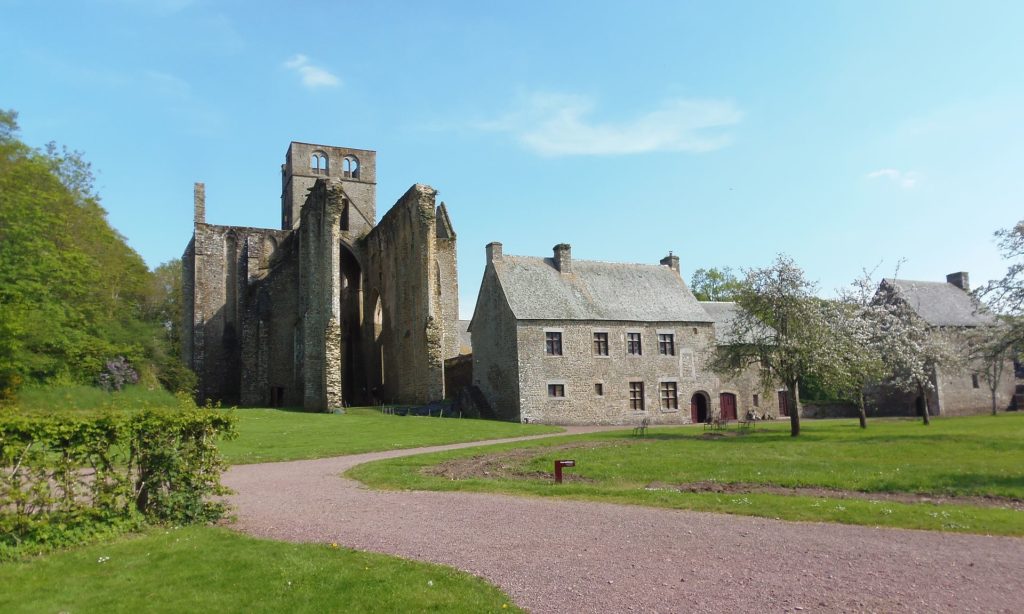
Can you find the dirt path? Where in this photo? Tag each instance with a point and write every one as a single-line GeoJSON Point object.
{"type": "Point", "coordinates": [567, 556]}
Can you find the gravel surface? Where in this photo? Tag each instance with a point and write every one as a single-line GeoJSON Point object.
{"type": "Point", "coordinates": [569, 556]}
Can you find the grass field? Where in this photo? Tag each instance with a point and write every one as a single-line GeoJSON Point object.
{"type": "Point", "coordinates": [71, 397]}
{"type": "Point", "coordinates": [266, 435]}
{"type": "Point", "coordinates": [978, 463]}
{"type": "Point", "coordinates": [202, 569]}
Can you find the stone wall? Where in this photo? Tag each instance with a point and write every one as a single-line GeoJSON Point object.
{"type": "Point", "coordinates": [746, 385]}
{"type": "Point", "coordinates": [405, 338]}
{"type": "Point", "coordinates": [446, 283]}
{"type": "Point", "coordinates": [579, 370]}
{"type": "Point", "coordinates": [297, 179]}
{"type": "Point", "coordinates": [495, 366]}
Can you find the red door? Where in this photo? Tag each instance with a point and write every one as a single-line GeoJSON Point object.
{"type": "Point", "coordinates": [783, 403]}
{"type": "Point", "coordinates": [727, 400]}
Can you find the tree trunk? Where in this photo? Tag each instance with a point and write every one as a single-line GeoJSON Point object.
{"type": "Point", "coordinates": [863, 413]}
{"type": "Point", "coordinates": [924, 404]}
{"type": "Point", "coordinates": [793, 397]}
{"type": "Point", "coordinates": [993, 400]}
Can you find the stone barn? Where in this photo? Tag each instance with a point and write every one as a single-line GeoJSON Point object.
{"type": "Point", "coordinates": [335, 308]}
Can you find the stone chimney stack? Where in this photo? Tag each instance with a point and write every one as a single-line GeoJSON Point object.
{"type": "Point", "coordinates": [493, 251]}
{"type": "Point", "coordinates": [199, 199]}
{"type": "Point", "coordinates": [960, 280]}
{"type": "Point", "coordinates": [671, 262]}
{"type": "Point", "coordinates": [563, 258]}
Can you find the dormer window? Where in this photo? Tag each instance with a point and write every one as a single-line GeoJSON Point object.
{"type": "Point", "coordinates": [318, 163]}
{"type": "Point", "coordinates": [350, 167]}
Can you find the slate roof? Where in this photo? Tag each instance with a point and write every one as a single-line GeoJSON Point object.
{"type": "Point", "coordinates": [536, 290]}
{"type": "Point", "coordinates": [940, 303]}
{"type": "Point", "coordinates": [723, 313]}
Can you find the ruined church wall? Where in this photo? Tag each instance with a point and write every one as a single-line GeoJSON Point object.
{"type": "Point", "coordinates": [446, 288]}
{"type": "Point", "coordinates": [269, 342]}
{"type": "Point", "coordinates": [406, 354]}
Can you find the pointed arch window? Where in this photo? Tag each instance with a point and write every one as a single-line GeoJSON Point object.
{"type": "Point", "coordinates": [318, 163]}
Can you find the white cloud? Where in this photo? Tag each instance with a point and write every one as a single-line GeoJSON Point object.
{"type": "Point", "coordinates": [904, 179]}
{"type": "Point", "coordinates": [312, 76]}
{"type": "Point", "coordinates": [560, 125]}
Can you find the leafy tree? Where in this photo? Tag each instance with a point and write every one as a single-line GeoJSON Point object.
{"type": "Point", "coordinates": [715, 284]}
{"type": "Point", "coordinates": [914, 351]}
{"type": "Point", "coordinates": [781, 327]}
{"type": "Point", "coordinates": [1006, 296]}
{"type": "Point", "coordinates": [991, 348]}
{"type": "Point", "coordinates": [70, 287]}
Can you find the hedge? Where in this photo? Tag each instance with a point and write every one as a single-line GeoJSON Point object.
{"type": "Point", "coordinates": [68, 477]}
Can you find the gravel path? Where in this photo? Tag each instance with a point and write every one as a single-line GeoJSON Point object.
{"type": "Point", "coordinates": [568, 556]}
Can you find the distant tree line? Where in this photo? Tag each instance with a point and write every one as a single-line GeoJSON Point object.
{"type": "Point", "coordinates": [73, 295]}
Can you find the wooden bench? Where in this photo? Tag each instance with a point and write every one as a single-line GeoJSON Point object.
{"type": "Point", "coordinates": [641, 429]}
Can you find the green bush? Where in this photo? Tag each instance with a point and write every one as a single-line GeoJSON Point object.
{"type": "Point", "coordinates": [66, 477]}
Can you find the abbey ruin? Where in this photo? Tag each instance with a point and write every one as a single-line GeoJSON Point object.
{"type": "Point", "coordinates": [334, 308]}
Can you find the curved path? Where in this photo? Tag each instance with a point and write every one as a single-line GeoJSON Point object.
{"type": "Point", "coordinates": [570, 556]}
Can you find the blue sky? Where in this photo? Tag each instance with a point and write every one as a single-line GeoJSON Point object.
{"type": "Point", "coordinates": [846, 134]}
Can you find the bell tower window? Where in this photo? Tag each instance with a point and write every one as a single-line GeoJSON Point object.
{"type": "Point", "coordinates": [350, 167]}
{"type": "Point", "coordinates": [318, 163]}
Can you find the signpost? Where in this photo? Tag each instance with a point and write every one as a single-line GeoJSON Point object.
{"type": "Point", "coordinates": [558, 468]}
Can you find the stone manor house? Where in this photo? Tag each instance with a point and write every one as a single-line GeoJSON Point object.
{"type": "Point", "coordinates": [335, 307]}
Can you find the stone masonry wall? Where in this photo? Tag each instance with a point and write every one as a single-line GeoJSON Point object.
{"type": "Point", "coordinates": [407, 352]}
{"type": "Point", "coordinates": [446, 283]}
{"type": "Point", "coordinates": [495, 366]}
{"type": "Point", "coordinates": [578, 369]}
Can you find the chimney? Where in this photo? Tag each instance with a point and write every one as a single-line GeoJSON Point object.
{"type": "Point", "coordinates": [563, 258]}
{"type": "Point", "coordinates": [671, 262]}
{"type": "Point", "coordinates": [493, 251]}
{"type": "Point", "coordinates": [959, 280]}
{"type": "Point", "coordinates": [199, 199]}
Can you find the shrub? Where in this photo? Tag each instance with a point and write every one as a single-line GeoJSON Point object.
{"type": "Point", "coordinates": [116, 374]}
{"type": "Point", "coordinates": [66, 477]}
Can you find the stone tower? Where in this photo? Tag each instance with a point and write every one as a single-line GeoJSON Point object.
{"type": "Point", "coordinates": [334, 308]}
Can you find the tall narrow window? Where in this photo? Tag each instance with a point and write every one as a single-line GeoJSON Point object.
{"type": "Point", "coordinates": [599, 389]}
{"type": "Point", "coordinates": [553, 343]}
{"type": "Point", "coordinates": [600, 344]}
{"type": "Point", "coordinates": [974, 381]}
{"type": "Point", "coordinates": [636, 396]}
{"type": "Point", "coordinates": [669, 399]}
{"type": "Point", "coordinates": [633, 344]}
{"type": "Point", "coordinates": [666, 344]}
{"type": "Point", "coordinates": [350, 167]}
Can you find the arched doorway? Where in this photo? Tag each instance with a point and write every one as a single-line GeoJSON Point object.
{"type": "Point", "coordinates": [727, 403]}
{"type": "Point", "coordinates": [699, 408]}
{"type": "Point", "coordinates": [353, 389]}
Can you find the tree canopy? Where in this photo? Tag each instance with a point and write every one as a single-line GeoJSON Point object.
{"type": "Point", "coordinates": [715, 284]}
{"type": "Point", "coordinates": [72, 292]}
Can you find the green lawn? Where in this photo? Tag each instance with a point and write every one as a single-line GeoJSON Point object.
{"type": "Point", "coordinates": [73, 397]}
{"type": "Point", "coordinates": [203, 569]}
{"type": "Point", "coordinates": [979, 456]}
{"type": "Point", "coordinates": [274, 435]}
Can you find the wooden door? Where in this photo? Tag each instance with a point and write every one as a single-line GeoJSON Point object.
{"type": "Point", "coordinates": [783, 403]}
{"type": "Point", "coordinates": [727, 401]}
{"type": "Point", "coordinates": [698, 409]}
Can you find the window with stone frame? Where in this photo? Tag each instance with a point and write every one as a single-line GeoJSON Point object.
{"type": "Point", "coordinates": [633, 347]}
{"type": "Point", "coordinates": [553, 343]}
{"type": "Point", "coordinates": [600, 344]}
{"type": "Point", "coordinates": [636, 396]}
{"type": "Point", "coordinates": [757, 400]}
{"type": "Point", "coordinates": [974, 381]}
{"type": "Point", "coordinates": [556, 391]}
{"type": "Point", "coordinates": [666, 344]}
{"type": "Point", "coordinates": [669, 396]}
{"type": "Point", "coordinates": [599, 389]}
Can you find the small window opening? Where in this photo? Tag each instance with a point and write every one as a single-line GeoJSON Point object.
{"type": "Point", "coordinates": [318, 163]}
{"type": "Point", "coordinates": [636, 396]}
{"type": "Point", "coordinates": [556, 390]}
{"type": "Point", "coordinates": [553, 344]}
{"type": "Point", "coordinates": [599, 389]}
{"type": "Point", "coordinates": [757, 401]}
{"type": "Point", "coordinates": [350, 167]}
{"type": "Point", "coordinates": [974, 381]}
